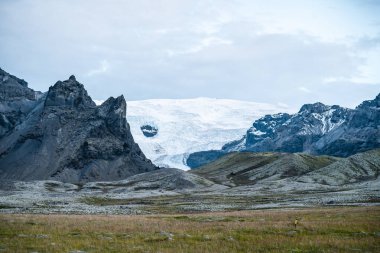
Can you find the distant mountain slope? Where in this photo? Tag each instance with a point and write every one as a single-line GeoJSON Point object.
{"type": "Point", "coordinates": [163, 181]}
{"type": "Point", "coordinates": [168, 130]}
{"type": "Point", "coordinates": [247, 168]}
{"type": "Point", "coordinates": [357, 168]}
{"type": "Point", "coordinates": [315, 129]}
{"type": "Point", "coordinates": [63, 135]}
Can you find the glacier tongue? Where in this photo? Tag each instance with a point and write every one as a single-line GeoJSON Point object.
{"type": "Point", "coordinates": [190, 125]}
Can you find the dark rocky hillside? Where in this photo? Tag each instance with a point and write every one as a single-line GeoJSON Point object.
{"type": "Point", "coordinates": [63, 135]}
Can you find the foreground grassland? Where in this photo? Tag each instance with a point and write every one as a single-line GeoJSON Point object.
{"type": "Point", "coordinates": [340, 229]}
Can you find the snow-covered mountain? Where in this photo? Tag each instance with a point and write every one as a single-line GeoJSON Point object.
{"type": "Point", "coordinates": [316, 129]}
{"type": "Point", "coordinates": [168, 130]}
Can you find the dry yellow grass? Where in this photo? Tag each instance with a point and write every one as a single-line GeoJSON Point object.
{"type": "Point", "coordinates": [340, 229]}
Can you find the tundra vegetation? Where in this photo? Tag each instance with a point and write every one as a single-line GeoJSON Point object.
{"type": "Point", "coordinates": [329, 229]}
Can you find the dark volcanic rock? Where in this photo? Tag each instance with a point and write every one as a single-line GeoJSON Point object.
{"type": "Point", "coordinates": [67, 137]}
{"type": "Point", "coordinates": [13, 88]}
{"type": "Point", "coordinates": [69, 93]}
{"type": "Point", "coordinates": [360, 132]}
{"type": "Point", "coordinates": [149, 131]}
{"type": "Point", "coordinates": [265, 128]}
{"type": "Point", "coordinates": [16, 101]}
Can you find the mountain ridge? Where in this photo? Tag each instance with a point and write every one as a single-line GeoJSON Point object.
{"type": "Point", "coordinates": [315, 129]}
{"type": "Point", "coordinates": [65, 136]}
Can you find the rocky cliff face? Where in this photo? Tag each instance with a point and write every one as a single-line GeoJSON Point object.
{"type": "Point", "coordinates": [16, 101]}
{"type": "Point", "coordinates": [65, 136]}
{"type": "Point", "coordinates": [13, 88]}
{"type": "Point", "coordinates": [315, 129]}
{"type": "Point", "coordinates": [359, 132]}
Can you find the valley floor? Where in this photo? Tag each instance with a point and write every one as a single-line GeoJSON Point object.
{"type": "Point", "coordinates": [328, 229]}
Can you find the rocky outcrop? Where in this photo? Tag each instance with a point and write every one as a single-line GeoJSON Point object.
{"type": "Point", "coordinates": [69, 93]}
{"type": "Point", "coordinates": [13, 88]}
{"type": "Point", "coordinates": [295, 133]}
{"type": "Point", "coordinates": [316, 129]}
{"type": "Point", "coordinates": [16, 101]}
{"type": "Point", "coordinates": [149, 131]}
{"type": "Point", "coordinates": [359, 132]}
{"type": "Point", "coordinates": [66, 137]}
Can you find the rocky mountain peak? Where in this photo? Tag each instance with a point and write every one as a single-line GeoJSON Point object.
{"type": "Point", "coordinates": [13, 88]}
{"type": "Point", "coordinates": [69, 93]}
{"type": "Point", "coordinates": [265, 126]}
{"type": "Point", "coordinates": [113, 106]}
{"type": "Point", "coordinates": [314, 108]}
{"type": "Point", "coordinates": [375, 103]}
{"type": "Point", "coordinates": [6, 76]}
{"type": "Point", "coordinates": [65, 136]}
{"type": "Point", "coordinates": [72, 78]}
{"type": "Point", "coordinates": [114, 110]}
{"type": "Point", "coordinates": [315, 129]}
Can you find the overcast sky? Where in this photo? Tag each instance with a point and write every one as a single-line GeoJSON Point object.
{"type": "Point", "coordinates": [279, 52]}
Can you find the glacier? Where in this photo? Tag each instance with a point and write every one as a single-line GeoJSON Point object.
{"type": "Point", "coordinates": [190, 125]}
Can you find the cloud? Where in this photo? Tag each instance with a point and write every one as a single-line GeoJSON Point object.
{"type": "Point", "coordinates": [304, 89]}
{"type": "Point", "coordinates": [103, 68]}
{"type": "Point", "coordinates": [243, 49]}
{"type": "Point", "coordinates": [165, 31]}
{"type": "Point", "coordinates": [211, 27]}
{"type": "Point", "coordinates": [201, 45]}
{"type": "Point", "coordinates": [283, 105]}
{"type": "Point", "coordinates": [367, 42]}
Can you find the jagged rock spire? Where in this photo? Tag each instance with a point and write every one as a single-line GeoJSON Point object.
{"type": "Point", "coordinates": [69, 93]}
{"type": "Point", "coordinates": [72, 78]}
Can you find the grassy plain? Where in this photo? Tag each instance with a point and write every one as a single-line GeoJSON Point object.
{"type": "Point", "coordinates": [332, 229]}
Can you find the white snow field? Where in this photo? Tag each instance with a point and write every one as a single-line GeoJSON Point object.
{"type": "Point", "coordinates": [190, 125]}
